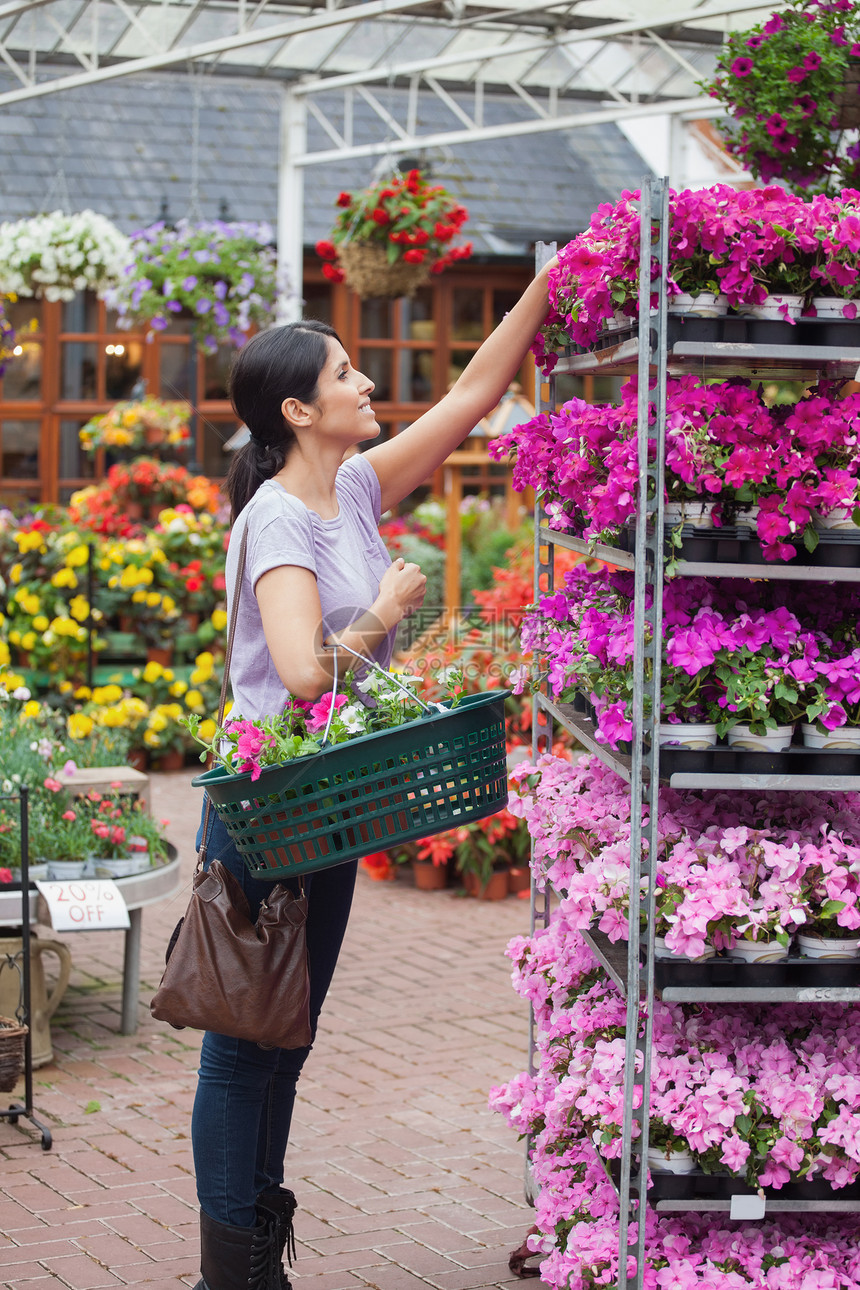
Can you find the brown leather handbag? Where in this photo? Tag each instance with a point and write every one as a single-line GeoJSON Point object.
{"type": "Point", "coordinates": [225, 973]}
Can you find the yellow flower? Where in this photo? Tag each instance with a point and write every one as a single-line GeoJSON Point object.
{"type": "Point", "coordinates": [219, 619]}
{"type": "Point", "coordinates": [64, 578]}
{"type": "Point", "coordinates": [33, 541]}
{"type": "Point", "coordinates": [82, 693]}
{"type": "Point", "coordinates": [151, 739]}
{"type": "Point", "coordinates": [15, 636]}
{"type": "Point", "coordinates": [168, 604]}
{"type": "Point", "coordinates": [153, 599]}
{"type": "Point", "coordinates": [152, 672]}
{"type": "Point", "coordinates": [28, 640]}
{"type": "Point", "coordinates": [77, 556]}
{"type": "Point", "coordinates": [104, 695]}
{"type": "Point", "coordinates": [31, 708]}
{"type": "Point", "coordinates": [157, 720]}
{"type": "Point", "coordinates": [65, 687]}
{"type": "Point", "coordinates": [15, 573]}
{"type": "Point", "coordinates": [5, 656]}
{"type": "Point", "coordinates": [194, 700]}
{"type": "Point", "coordinates": [207, 729]}
{"type": "Point", "coordinates": [29, 602]}
{"type": "Point", "coordinates": [79, 725]}
{"type": "Point", "coordinates": [40, 623]}
{"type": "Point", "coordinates": [178, 688]}
{"type": "Point", "coordinates": [112, 717]}
{"type": "Point", "coordinates": [139, 597]}
{"type": "Point", "coordinates": [79, 608]}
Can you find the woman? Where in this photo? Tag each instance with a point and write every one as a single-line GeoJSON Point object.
{"type": "Point", "coordinates": [316, 573]}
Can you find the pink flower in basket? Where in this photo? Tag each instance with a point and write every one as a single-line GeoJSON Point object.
{"type": "Point", "coordinates": [318, 715]}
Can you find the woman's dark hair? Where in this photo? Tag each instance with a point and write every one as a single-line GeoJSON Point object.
{"type": "Point", "coordinates": [282, 363]}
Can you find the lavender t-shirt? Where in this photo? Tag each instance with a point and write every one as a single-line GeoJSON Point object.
{"type": "Point", "coordinates": [346, 554]}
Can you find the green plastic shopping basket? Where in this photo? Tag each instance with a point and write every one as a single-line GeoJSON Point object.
{"type": "Point", "coordinates": [440, 770]}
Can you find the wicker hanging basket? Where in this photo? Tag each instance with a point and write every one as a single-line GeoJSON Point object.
{"type": "Point", "coordinates": [12, 1038]}
{"type": "Point", "coordinates": [369, 274]}
{"type": "Point", "coordinates": [846, 101]}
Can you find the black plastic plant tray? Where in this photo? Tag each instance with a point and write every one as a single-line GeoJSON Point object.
{"type": "Point", "coordinates": [702, 1186]}
{"type": "Point", "coordinates": [796, 760]}
{"type": "Point", "coordinates": [740, 329]}
{"type": "Point", "coordinates": [793, 973]}
{"type": "Point", "coordinates": [734, 546]}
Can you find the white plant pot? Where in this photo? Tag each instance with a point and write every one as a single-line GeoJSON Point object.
{"type": "Point", "coordinates": [758, 952]}
{"type": "Point", "coordinates": [747, 517]}
{"type": "Point", "coordinates": [661, 951]}
{"type": "Point", "coordinates": [37, 871]}
{"type": "Point", "coordinates": [122, 866]}
{"type": "Point", "coordinates": [677, 1162]}
{"type": "Point", "coordinates": [833, 307]}
{"type": "Point", "coordinates": [705, 304]}
{"type": "Point", "coordinates": [697, 513]}
{"type": "Point", "coordinates": [824, 947]}
{"type": "Point", "coordinates": [775, 308]}
{"type": "Point", "coordinates": [618, 320]}
{"type": "Point", "coordinates": [688, 734]}
{"type": "Point", "coordinates": [842, 737]}
{"type": "Point", "coordinates": [841, 520]}
{"type": "Point", "coordinates": [66, 870]}
{"type": "Point", "coordinates": [777, 740]}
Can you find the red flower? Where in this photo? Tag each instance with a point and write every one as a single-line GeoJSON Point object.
{"type": "Point", "coordinates": [414, 256]}
{"type": "Point", "coordinates": [344, 199]}
{"type": "Point", "coordinates": [326, 250]}
{"type": "Point", "coordinates": [331, 272]}
{"type": "Point", "coordinates": [381, 216]}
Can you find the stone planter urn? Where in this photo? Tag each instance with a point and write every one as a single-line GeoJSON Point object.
{"type": "Point", "coordinates": [43, 1004]}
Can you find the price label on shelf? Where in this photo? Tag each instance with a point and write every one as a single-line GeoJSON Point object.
{"type": "Point", "coordinates": [84, 905]}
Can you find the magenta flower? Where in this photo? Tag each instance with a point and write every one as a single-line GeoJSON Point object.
{"type": "Point", "coordinates": [742, 67]}
{"type": "Point", "coordinates": [318, 715]}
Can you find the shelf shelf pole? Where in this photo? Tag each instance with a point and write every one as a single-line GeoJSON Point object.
{"type": "Point", "coordinates": [645, 764]}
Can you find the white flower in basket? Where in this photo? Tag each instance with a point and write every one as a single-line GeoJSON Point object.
{"type": "Point", "coordinates": [52, 257]}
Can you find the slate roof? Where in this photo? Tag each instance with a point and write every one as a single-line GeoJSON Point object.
{"type": "Point", "coordinates": [125, 146]}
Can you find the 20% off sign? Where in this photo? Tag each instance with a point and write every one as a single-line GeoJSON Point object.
{"type": "Point", "coordinates": [84, 905]}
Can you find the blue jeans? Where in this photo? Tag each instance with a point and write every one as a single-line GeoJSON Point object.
{"type": "Point", "coordinates": [245, 1095]}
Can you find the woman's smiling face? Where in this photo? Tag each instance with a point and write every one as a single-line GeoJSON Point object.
{"type": "Point", "coordinates": [343, 402]}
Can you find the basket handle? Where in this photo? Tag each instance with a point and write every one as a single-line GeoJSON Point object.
{"type": "Point", "coordinates": [335, 646]}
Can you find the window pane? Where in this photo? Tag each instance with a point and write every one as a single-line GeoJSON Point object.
{"type": "Point", "coordinates": [503, 301]}
{"type": "Point", "coordinates": [467, 320]}
{"type": "Point", "coordinates": [78, 370]}
{"type": "Point", "coordinates": [317, 301]}
{"type": "Point", "coordinates": [376, 363]}
{"type": "Point", "coordinates": [123, 365]}
{"type": "Point", "coordinates": [376, 319]}
{"type": "Point", "coordinates": [173, 380]}
{"type": "Point", "coordinates": [20, 444]}
{"type": "Point", "coordinates": [23, 376]}
{"type": "Point", "coordinates": [457, 362]}
{"type": "Point", "coordinates": [81, 314]}
{"type": "Point", "coordinates": [74, 462]}
{"type": "Point", "coordinates": [214, 436]}
{"type": "Point", "coordinates": [24, 315]}
{"type": "Point", "coordinates": [416, 375]}
{"type": "Point", "coordinates": [215, 370]}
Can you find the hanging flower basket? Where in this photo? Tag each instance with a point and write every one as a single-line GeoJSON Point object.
{"type": "Point", "coordinates": [367, 271]}
{"type": "Point", "coordinates": [52, 257]}
{"type": "Point", "coordinates": [222, 276]}
{"type": "Point", "coordinates": [389, 238]}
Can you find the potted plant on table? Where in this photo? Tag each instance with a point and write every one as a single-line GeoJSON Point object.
{"type": "Point", "coordinates": [389, 238]}
{"type": "Point", "coordinates": [146, 424]}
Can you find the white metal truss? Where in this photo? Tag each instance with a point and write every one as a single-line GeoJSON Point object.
{"type": "Point", "coordinates": [564, 64]}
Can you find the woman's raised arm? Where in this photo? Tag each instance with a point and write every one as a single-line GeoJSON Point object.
{"type": "Point", "coordinates": [407, 460]}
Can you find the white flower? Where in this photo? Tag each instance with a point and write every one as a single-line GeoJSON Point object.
{"type": "Point", "coordinates": [56, 255]}
{"type": "Point", "coordinates": [352, 717]}
{"type": "Point", "coordinates": [21, 693]}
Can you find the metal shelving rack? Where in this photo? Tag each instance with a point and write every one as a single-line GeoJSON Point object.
{"type": "Point", "coordinates": [653, 356]}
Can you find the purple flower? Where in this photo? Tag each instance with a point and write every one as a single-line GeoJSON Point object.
{"type": "Point", "coordinates": [742, 67]}
{"type": "Point", "coordinates": [203, 305]}
{"type": "Point", "coordinates": [812, 61]}
{"type": "Point", "coordinates": [189, 283]}
{"type": "Point", "coordinates": [797, 74]}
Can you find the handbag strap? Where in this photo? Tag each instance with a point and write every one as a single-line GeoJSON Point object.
{"type": "Point", "coordinates": [225, 679]}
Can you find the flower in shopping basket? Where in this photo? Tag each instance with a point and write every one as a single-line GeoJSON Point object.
{"type": "Point", "coordinates": [404, 216]}
{"type": "Point", "coordinates": [780, 82]}
{"type": "Point", "coordinates": [378, 701]}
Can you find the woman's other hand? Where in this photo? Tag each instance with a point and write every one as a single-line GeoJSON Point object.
{"type": "Point", "coordinates": [404, 586]}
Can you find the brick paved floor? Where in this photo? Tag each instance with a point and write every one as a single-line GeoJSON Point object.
{"type": "Point", "coordinates": [404, 1179]}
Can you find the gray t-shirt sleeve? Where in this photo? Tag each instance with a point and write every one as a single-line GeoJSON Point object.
{"type": "Point", "coordinates": [280, 532]}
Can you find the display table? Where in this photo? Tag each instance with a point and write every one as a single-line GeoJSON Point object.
{"type": "Point", "coordinates": [138, 891]}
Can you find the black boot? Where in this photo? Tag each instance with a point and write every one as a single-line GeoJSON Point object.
{"type": "Point", "coordinates": [237, 1258]}
{"type": "Point", "coordinates": [276, 1207]}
